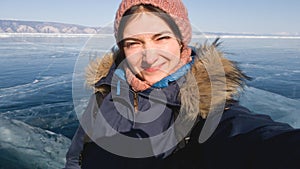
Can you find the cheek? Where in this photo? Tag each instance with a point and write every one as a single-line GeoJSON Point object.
{"type": "Point", "coordinates": [133, 59]}
{"type": "Point", "coordinates": [174, 52]}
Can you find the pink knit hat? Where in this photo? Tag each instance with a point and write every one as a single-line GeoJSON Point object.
{"type": "Point", "coordinates": [175, 8]}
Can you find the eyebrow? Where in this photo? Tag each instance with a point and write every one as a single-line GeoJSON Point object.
{"type": "Point", "coordinates": [130, 38]}
{"type": "Point", "coordinates": [163, 32]}
{"type": "Point", "coordinates": [154, 36]}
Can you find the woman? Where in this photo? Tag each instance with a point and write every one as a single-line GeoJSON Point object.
{"type": "Point", "coordinates": [159, 103]}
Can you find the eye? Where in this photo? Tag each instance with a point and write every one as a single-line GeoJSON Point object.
{"type": "Point", "coordinates": [131, 44]}
{"type": "Point", "coordinates": [163, 37]}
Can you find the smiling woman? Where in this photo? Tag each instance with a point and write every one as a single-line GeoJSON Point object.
{"type": "Point", "coordinates": [159, 103]}
{"type": "Point", "coordinates": [152, 44]}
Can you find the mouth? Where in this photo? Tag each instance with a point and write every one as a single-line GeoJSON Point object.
{"type": "Point", "coordinates": [153, 68]}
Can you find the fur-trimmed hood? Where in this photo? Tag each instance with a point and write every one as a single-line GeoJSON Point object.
{"type": "Point", "coordinates": [212, 80]}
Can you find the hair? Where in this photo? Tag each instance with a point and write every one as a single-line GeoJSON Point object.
{"type": "Point", "coordinates": [119, 55]}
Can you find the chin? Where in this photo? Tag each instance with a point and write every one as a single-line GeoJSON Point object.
{"type": "Point", "coordinates": [154, 78]}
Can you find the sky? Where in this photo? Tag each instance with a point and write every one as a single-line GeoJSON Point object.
{"type": "Point", "coordinates": [232, 16]}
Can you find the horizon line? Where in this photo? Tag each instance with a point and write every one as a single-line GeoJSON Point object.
{"type": "Point", "coordinates": [195, 36]}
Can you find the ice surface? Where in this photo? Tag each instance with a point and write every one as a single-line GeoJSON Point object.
{"type": "Point", "coordinates": [280, 108]}
{"type": "Point", "coordinates": [26, 147]}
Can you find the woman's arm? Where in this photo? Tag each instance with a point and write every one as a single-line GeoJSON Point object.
{"type": "Point", "coordinates": [247, 140]}
{"type": "Point", "coordinates": [74, 152]}
{"type": "Point", "coordinates": [75, 149]}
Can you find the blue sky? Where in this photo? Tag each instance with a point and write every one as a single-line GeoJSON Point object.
{"type": "Point", "coordinates": [235, 16]}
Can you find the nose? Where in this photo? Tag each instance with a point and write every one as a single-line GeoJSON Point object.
{"type": "Point", "coordinates": [149, 54]}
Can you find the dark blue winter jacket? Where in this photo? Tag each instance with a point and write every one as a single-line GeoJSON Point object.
{"type": "Point", "coordinates": [186, 113]}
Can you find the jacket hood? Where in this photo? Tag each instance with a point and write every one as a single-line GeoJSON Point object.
{"type": "Point", "coordinates": [212, 81]}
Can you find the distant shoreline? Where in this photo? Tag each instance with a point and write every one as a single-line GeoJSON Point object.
{"type": "Point", "coordinates": [58, 35]}
{"type": "Point", "coordinates": [19, 28]}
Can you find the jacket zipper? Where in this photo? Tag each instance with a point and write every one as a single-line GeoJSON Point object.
{"type": "Point", "coordinates": [135, 106]}
{"type": "Point", "coordinates": [135, 102]}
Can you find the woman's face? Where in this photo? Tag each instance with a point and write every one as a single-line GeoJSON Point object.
{"type": "Point", "coordinates": [151, 48]}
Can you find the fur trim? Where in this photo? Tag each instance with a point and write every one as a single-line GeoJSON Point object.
{"type": "Point", "coordinates": [97, 69]}
{"type": "Point", "coordinates": [213, 80]}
